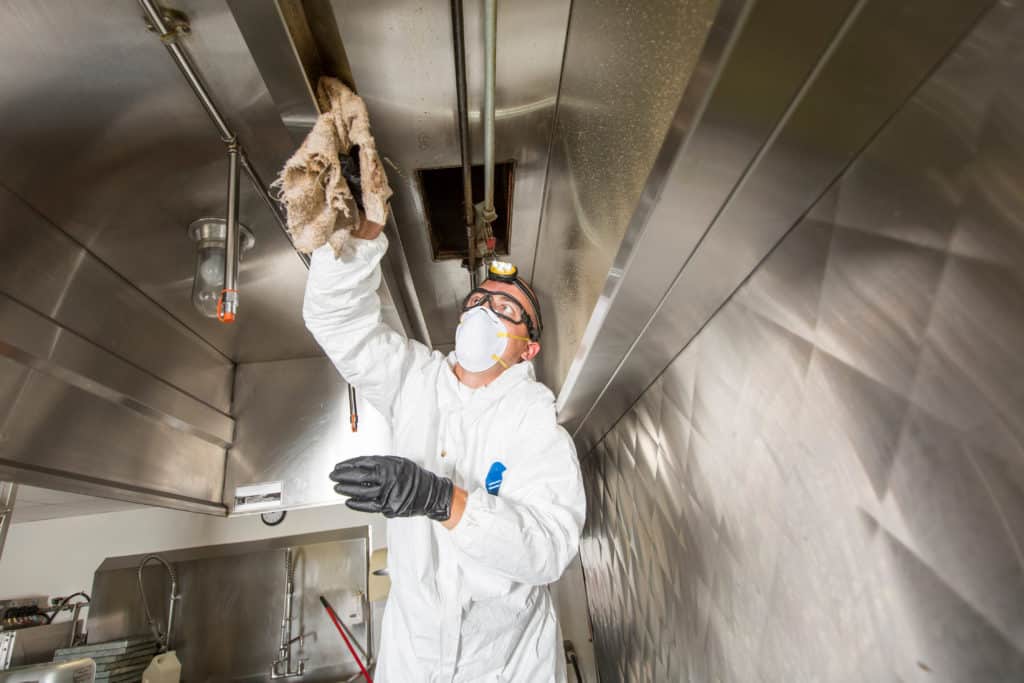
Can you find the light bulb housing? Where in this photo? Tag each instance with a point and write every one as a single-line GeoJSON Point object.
{"type": "Point", "coordinates": [210, 236]}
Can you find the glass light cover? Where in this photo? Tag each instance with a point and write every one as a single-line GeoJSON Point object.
{"type": "Point", "coordinates": [208, 278]}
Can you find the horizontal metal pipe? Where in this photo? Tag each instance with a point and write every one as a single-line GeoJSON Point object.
{"type": "Point", "coordinates": [188, 70]}
{"type": "Point", "coordinates": [181, 58]}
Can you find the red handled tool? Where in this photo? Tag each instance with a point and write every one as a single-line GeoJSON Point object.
{"type": "Point", "coordinates": [337, 624]}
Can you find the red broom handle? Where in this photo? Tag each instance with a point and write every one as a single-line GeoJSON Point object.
{"type": "Point", "coordinates": [337, 625]}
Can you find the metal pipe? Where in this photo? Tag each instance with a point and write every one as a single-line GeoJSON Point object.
{"type": "Point", "coordinates": [275, 209]}
{"type": "Point", "coordinates": [181, 58]}
{"type": "Point", "coordinates": [8, 494]}
{"type": "Point", "coordinates": [228, 309]}
{"type": "Point", "coordinates": [490, 58]}
{"type": "Point", "coordinates": [284, 650]}
{"type": "Point", "coordinates": [353, 409]}
{"type": "Point", "coordinates": [570, 656]}
{"type": "Point", "coordinates": [459, 45]}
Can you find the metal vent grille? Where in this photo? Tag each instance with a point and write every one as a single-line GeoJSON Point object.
{"type": "Point", "coordinates": [441, 190]}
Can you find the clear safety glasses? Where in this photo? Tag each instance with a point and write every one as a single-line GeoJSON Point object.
{"type": "Point", "coordinates": [503, 305]}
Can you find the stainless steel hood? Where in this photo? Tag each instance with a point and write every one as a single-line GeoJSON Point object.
{"type": "Point", "coordinates": [108, 157]}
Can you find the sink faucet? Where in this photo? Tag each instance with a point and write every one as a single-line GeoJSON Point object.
{"type": "Point", "coordinates": [282, 666]}
{"type": "Point", "coordinates": [162, 639]}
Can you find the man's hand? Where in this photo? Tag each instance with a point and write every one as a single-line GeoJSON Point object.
{"type": "Point", "coordinates": [393, 486]}
{"type": "Point", "coordinates": [367, 230]}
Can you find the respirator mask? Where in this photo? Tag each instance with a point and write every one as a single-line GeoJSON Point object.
{"type": "Point", "coordinates": [480, 340]}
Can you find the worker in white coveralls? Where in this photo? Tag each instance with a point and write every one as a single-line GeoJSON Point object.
{"type": "Point", "coordinates": [483, 491]}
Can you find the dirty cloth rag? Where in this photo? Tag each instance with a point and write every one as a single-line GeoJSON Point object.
{"type": "Point", "coordinates": [320, 204]}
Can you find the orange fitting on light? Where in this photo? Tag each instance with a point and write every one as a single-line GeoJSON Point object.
{"type": "Point", "coordinates": [222, 315]}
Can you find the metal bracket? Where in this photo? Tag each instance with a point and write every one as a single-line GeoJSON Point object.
{"type": "Point", "coordinates": [177, 24]}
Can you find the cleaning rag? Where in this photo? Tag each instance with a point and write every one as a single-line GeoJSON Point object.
{"type": "Point", "coordinates": [321, 205]}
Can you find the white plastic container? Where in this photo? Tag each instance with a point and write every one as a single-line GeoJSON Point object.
{"type": "Point", "coordinates": [165, 668]}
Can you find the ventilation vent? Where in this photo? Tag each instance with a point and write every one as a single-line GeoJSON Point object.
{"type": "Point", "coordinates": [441, 189]}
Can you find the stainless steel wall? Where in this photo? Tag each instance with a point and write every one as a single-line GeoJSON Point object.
{"type": "Point", "coordinates": [828, 482]}
{"type": "Point", "coordinates": [227, 623]}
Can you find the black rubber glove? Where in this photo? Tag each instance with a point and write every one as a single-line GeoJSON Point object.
{"type": "Point", "coordinates": [393, 486]}
{"type": "Point", "coordinates": [350, 169]}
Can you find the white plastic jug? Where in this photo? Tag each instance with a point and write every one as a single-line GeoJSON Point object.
{"type": "Point", "coordinates": [165, 668]}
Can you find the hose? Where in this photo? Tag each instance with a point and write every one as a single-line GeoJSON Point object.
{"type": "Point", "coordinates": [337, 624]}
{"type": "Point", "coordinates": [289, 566]}
{"type": "Point", "coordinates": [64, 603]}
{"type": "Point", "coordinates": [163, 641]}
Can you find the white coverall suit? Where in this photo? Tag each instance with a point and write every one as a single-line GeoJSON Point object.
{"type": "Point", "coordinates": [468, 604]}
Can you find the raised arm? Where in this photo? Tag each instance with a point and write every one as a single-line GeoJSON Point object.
{"type": "Point", "coordinates": [342, 310]}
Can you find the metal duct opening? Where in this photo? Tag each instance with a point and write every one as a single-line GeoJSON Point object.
{"type": "Point", "coordinates": [442, 193]}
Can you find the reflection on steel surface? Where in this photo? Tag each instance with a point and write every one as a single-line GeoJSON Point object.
{"type": "Point", "coordinates": [297, 437]}
{"type": "Point", "coordinates": [625, 68]}
{"type": "Point", "coordinates": [828, 482]}
{"type": "Point", "coordinates": [713, 139]}
{"type": "Point", "coordinates": [50, 274]}
{"type": "Point", "coordinates": [835, 113]}
{"type": "Point", "coordinates": [101, 390]}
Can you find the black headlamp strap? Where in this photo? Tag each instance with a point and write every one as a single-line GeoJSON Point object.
{"type": "Point", "coordinates": [506, 272]}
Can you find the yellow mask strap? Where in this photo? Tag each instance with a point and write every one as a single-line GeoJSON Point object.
{"type": "Point", "coordinates": [497, 359]}
{"type": "Point", "coordinates": [514, 336]}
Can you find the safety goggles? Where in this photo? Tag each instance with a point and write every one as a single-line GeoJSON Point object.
{"type": "Point", "coordinates": [503, 306]}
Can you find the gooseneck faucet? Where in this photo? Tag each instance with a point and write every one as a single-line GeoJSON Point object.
{"type": "Point", "coordinates": [282, 666]}
{"type": "Point", "coordinates": [162, 639]}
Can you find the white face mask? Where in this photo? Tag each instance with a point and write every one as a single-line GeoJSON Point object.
{"type": "Point", "coordinates": [480, 339]}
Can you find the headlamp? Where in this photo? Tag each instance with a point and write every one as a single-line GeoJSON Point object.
{"type": "Point", "coordinates": [503, 271]}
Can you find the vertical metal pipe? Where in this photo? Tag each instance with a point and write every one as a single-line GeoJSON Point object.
{"type": "Point", "coordinates": [8, 494]}
{"type": "Point", "coordinates": [232, 246]}
{"type": "Point", "coordinates": [490, 58]}
{"type": "Point", "coordinates": [170, 609]}
{"type": "Point", "coordinates": [286, 622]}
{"type": "Point", "coordinates": [353, 409]}
{"type": "Point", "coordinates": [459, 45]}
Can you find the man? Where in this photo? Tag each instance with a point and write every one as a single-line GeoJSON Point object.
{"type": "Point", "coordinates": [483, 492]}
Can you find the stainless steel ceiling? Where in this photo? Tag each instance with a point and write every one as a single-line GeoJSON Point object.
{"type": "Point", "coordinates": [103, 137]}
{"type": "Point", "coordinates": [138, 160]}
{"type": "Point", "coordinates": [401, 59]}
